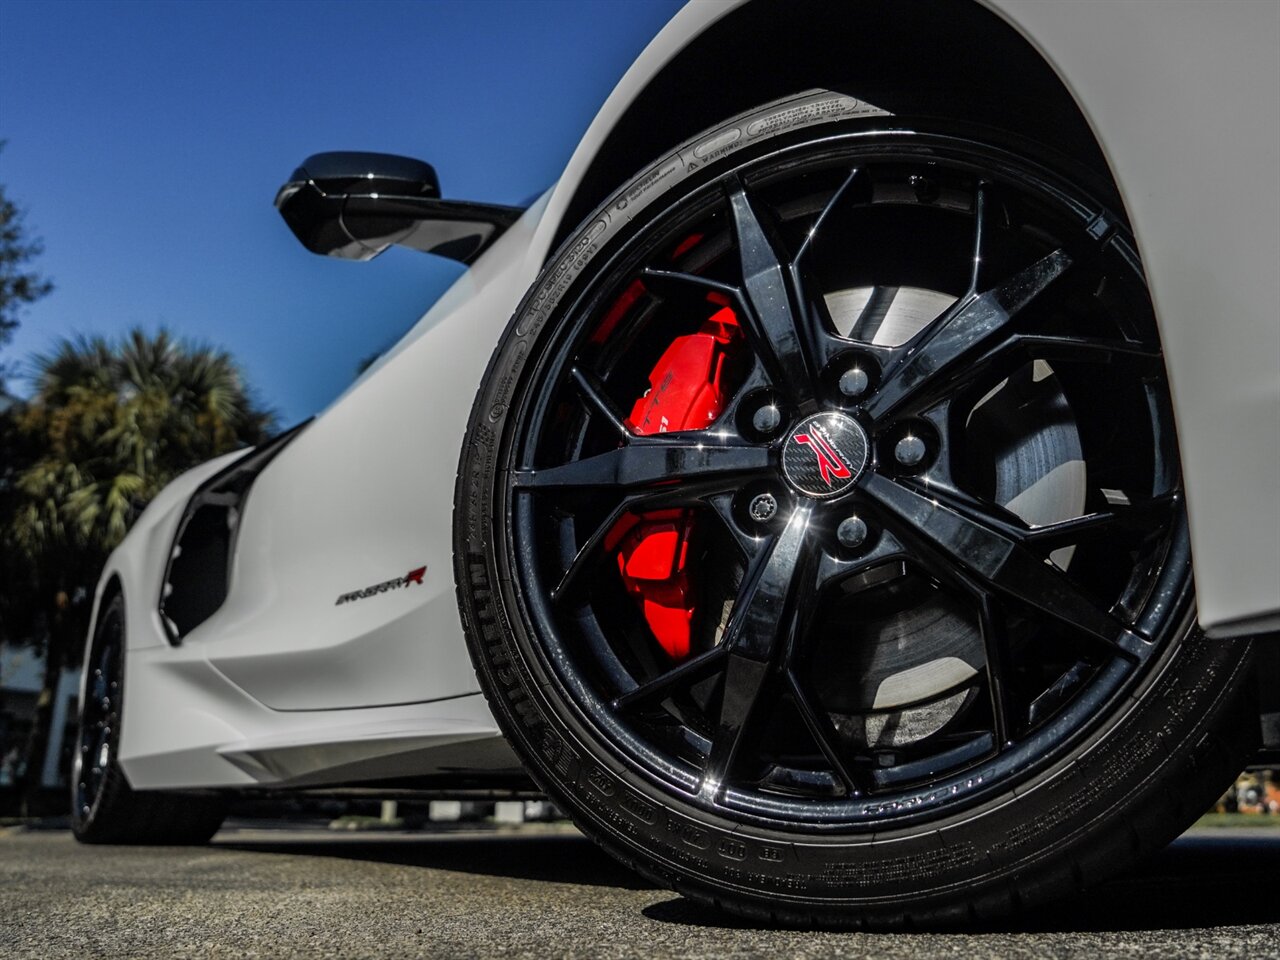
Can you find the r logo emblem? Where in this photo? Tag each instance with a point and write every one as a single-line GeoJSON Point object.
{"type": "Point", "coordinates": [825, 455]}
{"type": "Point", "coordinates": [829, 463]}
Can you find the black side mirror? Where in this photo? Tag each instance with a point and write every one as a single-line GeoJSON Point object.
{"type": "Point", "coordinates": [355, 205]}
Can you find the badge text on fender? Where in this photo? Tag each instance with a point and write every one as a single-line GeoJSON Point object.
{"type": "Point", "coordinates": [413, 576]}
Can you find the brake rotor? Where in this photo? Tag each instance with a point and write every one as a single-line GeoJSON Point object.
{"type": "Point", "coordinates": [905, 673]}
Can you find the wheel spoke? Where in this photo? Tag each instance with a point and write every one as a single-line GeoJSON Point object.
{"type": "Point", "coordinates": [820, 222]}
{"type": "Point", "coordinates": [773, 319]}
{"type": "Point", "coordinates": [975, 320]}
{"type": "Point", "coordinates": [979, 236]}
{"type": "Point", "coordinates": [584, 559]}
{"type": "Point", "coordinates": [673, 283]}
{"type": "Point", "coordinates": [761, 617]}
{"type": "Point", "coordinates": [816, 339]}
{"type": "Point", "coordinates": [1145, 357]}
{"type": "Point", "coordinates": [759, 630]}
{"type": "Point", "coordinates": [744, 679]}
{"type": "Point", "coordinates": [1047, 538]}
{"type": "Point", "coordinates": [1067, 533]}
{"type": "Point", "coordinates": [824, 736]}
{"type": "Point", "coordinates": [832, 570]}
{"type": "Point", "coordinates": [940, 486]}
{"type": "Point", "coordinates": [872, 316]}
{"type": "Point", "coordinates": [593, 393]}
{"type": "Point", "coordinates": [992, 620]}
{"type": "Point", "coordinates": [1137, 360]}
{"type": "Point", "coordinates": [999, 560]}
{"type": "Point", "coordinates": [648, 463]}
{"type": "Point", "coordinates": [691, 671]}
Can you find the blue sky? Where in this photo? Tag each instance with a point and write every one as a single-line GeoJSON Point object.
{"type": "Point", "coordinates": [146, 142]}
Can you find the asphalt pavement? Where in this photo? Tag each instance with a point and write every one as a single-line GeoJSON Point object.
{"type": "Point", "coordinates": [546, 892]}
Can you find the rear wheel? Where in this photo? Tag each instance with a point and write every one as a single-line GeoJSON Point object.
{"type": "Point", "coordinates": [104, 808]}
{"type": "Point", "coordinates": [821, 544]}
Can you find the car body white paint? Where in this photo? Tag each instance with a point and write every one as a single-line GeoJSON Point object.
{"type": "Point", "coordinates": [1184, 101]}
{"type": "Point", "coordinates": [283, 687]}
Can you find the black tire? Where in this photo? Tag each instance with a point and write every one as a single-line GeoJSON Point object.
{"type": "Point", "coordinates": [1153, 741]}
{"type": "Point", "coordinates": [104, 808]}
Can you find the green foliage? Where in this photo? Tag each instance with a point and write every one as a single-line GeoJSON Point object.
{"type": "Point", "coordinates": [108, 425]}
{"type": "Point", "coordinates": [18, 285]}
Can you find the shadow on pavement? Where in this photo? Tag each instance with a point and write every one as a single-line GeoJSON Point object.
{"type": "Point", "coordinates": [1200, 881]}
{"type": "Point", "coordinates": [557, 859]}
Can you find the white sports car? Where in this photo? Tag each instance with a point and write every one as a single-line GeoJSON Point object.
{"type": "Point", "coordinates": [863, 509]}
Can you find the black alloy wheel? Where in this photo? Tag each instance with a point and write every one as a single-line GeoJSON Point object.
{"type": "Point", "coordinates": [104, 807]}
{"type": "Point", "coordinates": [99, 732]}
{"type": "Point", "coordinates": [940, 547]}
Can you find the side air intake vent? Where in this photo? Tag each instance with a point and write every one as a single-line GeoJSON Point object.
{"type": "Point", "coordinates": [199, 568]}
{"type": "Point", "coordinates": [198, 575]}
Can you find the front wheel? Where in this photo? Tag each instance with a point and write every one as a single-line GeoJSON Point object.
{"type": "Point", "coordinates": [820, 535]}
{"type": "Point", "coordinates": [104, 807]}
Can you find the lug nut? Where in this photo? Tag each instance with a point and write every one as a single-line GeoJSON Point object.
{"type": "Point", "coordinates": [852, 532]}
{"type": "Point", "coordinates": [925, 189]}
{"type": "Point", "coordinates": [909, 451]}
{"type": "Point", "coordinates": [762, 508]}
{"type": "Point", "coordinates": [854, 382]}
{"type": "Point", "coordinates": [767, 419]}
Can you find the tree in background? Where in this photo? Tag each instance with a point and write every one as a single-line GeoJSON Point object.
{"type": "Point", "coordinates": [108, 425]}
{"type": "Point", "coordinates": [19, 286]}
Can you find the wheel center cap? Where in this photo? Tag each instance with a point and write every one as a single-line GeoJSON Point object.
{"type": "Point", "coordinates": [824, 455]}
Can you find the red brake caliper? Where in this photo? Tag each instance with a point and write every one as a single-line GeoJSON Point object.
{"type": "Point", "coordinates": [685, 393]}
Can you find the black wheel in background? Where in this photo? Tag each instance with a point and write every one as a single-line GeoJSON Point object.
{"type": "Point", "coordinates": [957, 669]}
{"type": "Point", "coordinates": [104, 808]}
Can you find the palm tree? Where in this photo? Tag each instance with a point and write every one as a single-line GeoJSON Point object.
{"type": "Point", "coordinates": [108, 426]}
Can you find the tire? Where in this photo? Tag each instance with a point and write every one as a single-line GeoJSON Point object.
{"type": "Point", "coordinates": [104, 808]}
{"type": "Point", "coordinates": [1091, 721]}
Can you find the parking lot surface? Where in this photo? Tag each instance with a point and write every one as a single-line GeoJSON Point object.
{"type": "Point", "coordinates": [545, 891]}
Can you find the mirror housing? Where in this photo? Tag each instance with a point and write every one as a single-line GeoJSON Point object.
{"type": "Point", "coordinates": [355, 205]}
